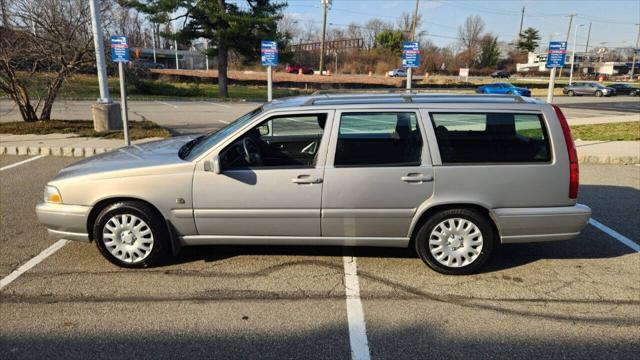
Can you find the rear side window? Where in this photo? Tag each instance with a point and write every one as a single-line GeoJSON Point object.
{"type": "Point", "coordinates": [491, 138]}
{"type": "Point", "coordinates": [378, 139]}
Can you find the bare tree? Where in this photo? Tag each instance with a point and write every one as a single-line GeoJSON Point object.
{"type": "Point", "coordinates": [45, 35]}
{"type": "Point", "coordinates": [405, 23]}
{"type": "Point", "coordinates": [288, 24]}
{"type": "Point", "coordinates": [374, 27]}
{"type": "Point", "coordinates": [469, 36]}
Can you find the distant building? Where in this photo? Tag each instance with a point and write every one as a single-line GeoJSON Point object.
{"type": "Point", "coordinates": [536, 61]}
{"type": "Point", "coordinates": [586, 63]}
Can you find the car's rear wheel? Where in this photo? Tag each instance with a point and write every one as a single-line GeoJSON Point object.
{"type": "Point", "coordinates": [131, 234]}
{"type": "Point", "coordinates": [598, 93]}
{"type": "Point", "coordinates": [455, 241]}
{"type": "Point", "coordinates": [571, 93]}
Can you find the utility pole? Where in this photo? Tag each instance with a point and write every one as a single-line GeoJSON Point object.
{"type": "Point", "coordinates": [413, 38]}
{"type": "Point", "coordinates": [521, 22]}
{"type": "Point", "coordinates": [570, 16]}
{"type": "Point", "coordinates": [325, 4]}
{"type": "Point", "coordinates": [586, 47]}
{"type": "Point", "coordinates": [635, 53]}
{"type": "Point", "coordinates": [98, 43]}
{"type": "Point", "coordinates": [573, 52]}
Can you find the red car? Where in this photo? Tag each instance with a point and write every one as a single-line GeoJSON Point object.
{"type": "Point", "coordinates": [294, 69]}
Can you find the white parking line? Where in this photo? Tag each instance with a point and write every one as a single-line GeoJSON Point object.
{"type": "Point", "coordinates": [31, 263]}
{"type": "Point", "coordinates": [166, 103]}
{"type": "Point", "coordinates": [21, 162]}
{"type": "Point", "coordinates": [616, 235]}
{"type": "Point", "coordinates": [355, 314]}
{"type": "Point", "coordinates": [215, 103]}
{"type": "Point", "coordinates": [224, 121]}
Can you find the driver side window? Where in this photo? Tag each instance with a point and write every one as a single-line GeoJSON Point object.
{"type": "Point", "coordinates": [289, 141]}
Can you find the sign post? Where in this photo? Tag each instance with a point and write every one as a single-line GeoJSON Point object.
{"type": "Point", "coordinates": [269, 57]}
{"type": "Point", "coordinates": [555, 59]}
{"type": "Point", "coordinates": [120, 54]}
{"type": "Point", "coordinates": [410, 59]}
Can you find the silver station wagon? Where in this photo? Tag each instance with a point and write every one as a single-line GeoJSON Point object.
{"type": "Point", "coordinates": [452, 176]}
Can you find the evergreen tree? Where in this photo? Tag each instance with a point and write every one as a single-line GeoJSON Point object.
{"type": "Point", "coordinates": [228, 26]}
{"type": "Point", "coordinates": [528, 40]}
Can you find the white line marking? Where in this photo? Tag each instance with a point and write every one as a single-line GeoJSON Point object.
{"type": "Point", "coordinates": [166, 103]}
{"type": "Point", "coordinates": [215, 103]}
{"type": "Point", "coordinates": [355, 314]}
{"type": "Point", "coordinates": [616, 235]}
{"type": "Point", "coordinates": [31, 263]}
{"type": "Point", "coordinates": [224, 121]}
{"type": "Point", "coordinates": [22, 162]}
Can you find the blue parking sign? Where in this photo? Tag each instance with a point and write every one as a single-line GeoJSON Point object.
{"type": "Point", "coordinates": [410, 54]}
{"type": "Point", "coordinates": [119, 48]}
{"type": "Point", "coordinates": [269, 53]}
{"type": "Point", "coordinates": [556, 54]}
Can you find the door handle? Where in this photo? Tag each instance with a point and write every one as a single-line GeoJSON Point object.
{"type": "Point", "coordinates": [416, 178]}
{"type": "Point", "coordinates": [306, 179]}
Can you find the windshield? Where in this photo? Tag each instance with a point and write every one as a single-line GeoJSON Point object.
{"type": "Point", "coordinates": [207, 141]}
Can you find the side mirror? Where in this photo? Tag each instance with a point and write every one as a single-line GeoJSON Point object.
{"type": "Point", "coordinates": [213, 165]}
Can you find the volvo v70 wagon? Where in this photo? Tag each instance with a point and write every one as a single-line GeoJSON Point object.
{"type": "Point", "coordinates": [449, 175]}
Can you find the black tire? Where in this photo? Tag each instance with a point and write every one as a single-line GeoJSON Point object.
{"type": "Point", "coordinates": [478, 219]}
{"type": "Point", "coordinates": [598, 93]}
{"type": "Point", "coordinates": [571, 93]}
{"type": "Point", "coordinates": [161, 246]}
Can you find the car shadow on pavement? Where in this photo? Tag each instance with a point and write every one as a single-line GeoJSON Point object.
{"type": "Point", "coordinates": [322, 342]}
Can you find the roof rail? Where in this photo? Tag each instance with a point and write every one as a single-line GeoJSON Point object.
{"type": "Point", "coordinates": [327, 99]}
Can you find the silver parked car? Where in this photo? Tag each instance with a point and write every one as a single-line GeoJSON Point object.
{"type": "Point", "coordinates": [450, 175]}
{"type": "Point", "coordinates": [588, 88]}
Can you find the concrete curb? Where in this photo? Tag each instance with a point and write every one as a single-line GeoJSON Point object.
{"type": "Point", "coordinates": [70, 151]}
{"type": "Point", "coordinates": [66, 151]}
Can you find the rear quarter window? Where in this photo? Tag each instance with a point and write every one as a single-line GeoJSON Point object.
{"type": "Point", "coordinates": [486, 137]}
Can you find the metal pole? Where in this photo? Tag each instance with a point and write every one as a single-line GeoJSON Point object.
{"type": "Point", "coordinates": [206, 53]}
{"type": "Point", "coordinates": [413, 38]}
{"type": "Point", "coordinates": [175, 43]}
{"type": "Point", "coordinates": [635, 52]}
{"type": "Point", "coordinates": [153, 35]}
{"type": "Point", "coordinates": [123, 101]}
{"type": "Point", "coordinates": [324, 30]}
{"type": "Point", "coordinates": [98, 43]}
{"type": "Point", "coordinates": [568, 33]}
{"type": "Point", "coordinates": [552, 83]}
{"type": "Point", "coordinates": [269, 84]}
{"type": "Point", "coordinates": [573, 53]}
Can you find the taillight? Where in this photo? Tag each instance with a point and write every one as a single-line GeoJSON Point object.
{"type": "Point", "coordinates": [571, 150]}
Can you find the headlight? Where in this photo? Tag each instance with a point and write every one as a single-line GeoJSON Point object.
{"type": "Point", "coordinates": [52, 195]}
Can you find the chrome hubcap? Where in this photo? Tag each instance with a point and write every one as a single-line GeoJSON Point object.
{"type": "Point", "coordinates": [455, 242]}
{"type": "Point", "coordinates": [128, 238]}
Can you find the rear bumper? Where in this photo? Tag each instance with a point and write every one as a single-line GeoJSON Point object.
{"type": "Point", "coordinates": [520, 225]}
{"type": "Point", "coordinates": [67, 222]}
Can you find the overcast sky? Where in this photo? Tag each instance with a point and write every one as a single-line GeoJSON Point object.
{"type": "Point", "coordinates": [613, 20]}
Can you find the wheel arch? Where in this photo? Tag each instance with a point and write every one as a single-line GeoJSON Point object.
{"type": "Point", "coordinates": [102, 204]}
{"type": "Point", "coordinates": [423, 215]}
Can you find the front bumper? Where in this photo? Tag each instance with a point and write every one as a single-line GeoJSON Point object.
{"type": "Point", "coordinates": [520, 225]}
{"type": "Point", "coordinates": [67, 222]}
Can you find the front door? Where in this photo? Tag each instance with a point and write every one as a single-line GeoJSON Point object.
{"type": "Point", "coordinates": [378, 172]}
{"type": "Point", "coordinates": [270, 180]}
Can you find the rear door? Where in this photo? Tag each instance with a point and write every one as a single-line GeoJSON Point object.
{"type": "Point", "coordinates": [378, 172]}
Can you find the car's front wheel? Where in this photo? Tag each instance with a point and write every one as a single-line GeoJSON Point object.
{"type": "Point", "coordinates": [571, 93]}
{"type": "Point", "coordinates": [131, 234]}
{"type": "Point", "coordinates": [598, 93]}
{"type": "Point", "coordinates": [455, 241]}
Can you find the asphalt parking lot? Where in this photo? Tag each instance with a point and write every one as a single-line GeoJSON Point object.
{"type": "Point", "coordinates": [573, 299]}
